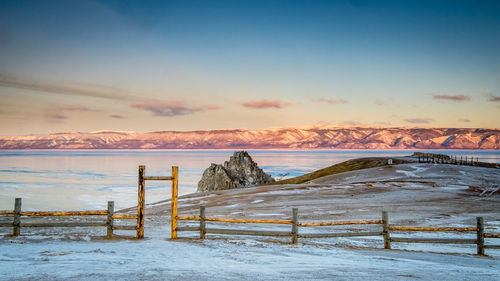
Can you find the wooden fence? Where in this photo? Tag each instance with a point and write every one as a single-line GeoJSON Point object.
{"type": "Point", "coordinates": [445, 159]}
{"type": "Point", "coordinates": [141, 201]}
{"type": "Point", "coordinates": [386, 230]}
{"type": "Point", "coordinates": [109, 221]}
{"type": "Point", "coordinates": [109, 213]}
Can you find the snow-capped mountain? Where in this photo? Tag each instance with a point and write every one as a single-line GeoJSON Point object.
{"type": "Point", "coordinates": [277, 138]}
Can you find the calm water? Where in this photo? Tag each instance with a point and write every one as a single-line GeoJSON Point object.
{"type": "Point", "coordinates": [52, 180]}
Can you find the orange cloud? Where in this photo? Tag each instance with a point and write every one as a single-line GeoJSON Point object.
{"type": "Point", "coordinates": [117, 116]}
{"type": "Point", "coordinates": [451, 97]}
{"type": "Point", "coordinates": [266, 104]}
{"type": "Point", "coordinates": [171, 108]}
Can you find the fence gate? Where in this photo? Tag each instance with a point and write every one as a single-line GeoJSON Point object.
{"type": "Point", "coordinates": [141, 199]}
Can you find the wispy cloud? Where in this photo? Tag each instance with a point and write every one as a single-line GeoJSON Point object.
{"type": "Point", "coordinates": [266, 104]}
{"type": "Point", "coordinates": [350, 123]}
{"type": "Point", "coordinates": [328, 100]}
{"type": "Point", "coordinates": [381, 102]}
{"type": "Point", "coordinates": [70, 89]}
{"type": "Point", "coordinates": [117, 116]}
{"type": "Point", "coordinates": [75, 108]}
{"type": "Point", "coordinates": [493, 98]}
{"type": "Point", "coordinates": [464, 120]}
{"type": "Point", "coordinates": [451, 97]}
{"type": "Point", "coordinates": [171, 108]}
{"type": "Point", "coordinates": [55, 117]}
{"type": "Point", "coordinates": [419, 120]}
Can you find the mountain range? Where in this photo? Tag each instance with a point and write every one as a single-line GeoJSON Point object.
{"type": "Point", "coordinates": [275, 138]}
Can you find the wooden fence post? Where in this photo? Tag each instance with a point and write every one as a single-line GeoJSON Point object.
{"type": "Point", "coordinates": [480, 236]}
{"type": "Point", "coordinates": [173, 219]}
{"type": "Point", "coordinates": [387, 237]}
{"type": "Point", "coordinates": [141, 192]}
{"type": "Point", "coordinates": [295, 228]}
{"type": "Point", "coordinates": [202, 222]}
{"type": "Point", "coordinates": [109, 221]}
{"type": "Point", "coordinates": [17, 217]}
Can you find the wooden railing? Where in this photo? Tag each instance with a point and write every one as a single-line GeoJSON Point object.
{"type": "Point", "coordinates": [445, 159]}
{"type": "Point", "coordinates": [385, 231]}
{"type": "Point", "coordinates": [109, 222]}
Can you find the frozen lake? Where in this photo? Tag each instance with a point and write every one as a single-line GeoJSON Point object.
{"type": "Point", "coordinates": [87, 179]}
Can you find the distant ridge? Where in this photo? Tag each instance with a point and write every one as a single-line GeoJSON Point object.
{"type": "Point", "coordinates": [275, 138]}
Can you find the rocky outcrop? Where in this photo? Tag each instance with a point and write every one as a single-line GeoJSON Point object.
{"type": "Point", "coordinates": [240, 171]}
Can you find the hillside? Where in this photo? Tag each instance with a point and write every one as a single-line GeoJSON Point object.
{"type": "Point", "coordinates": [347, 166]}
{"type": "Point", "coordinates": [280, 138]}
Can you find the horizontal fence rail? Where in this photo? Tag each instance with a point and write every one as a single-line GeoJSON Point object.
{"type": "Point", "coordinates": [188, 218]}
{"type": "Point", "coordinates": [385, 232]}
{"type": "Point", "coordinates": [16, 224]}
{"type": "Point", "coordinates": [159, 178]}
{"type": "Point", "coordinates": [247, 232]}
{"type": "Point", "coordinates": [64, 224]}
{"type": "Point", "coordinates": [64, 213]}
{"type": "Point", "coordinates": [331, 223]}
{"type": "Point", "coordinates": [422, 228]}
{"type": "Point", "coordinates": [124, 217]}
{"type": "Point", "coordinates": [340, 234]}
{"type": "Point", "coordinates": [196, 218]}
{"type": "Point", "coordinates": [249, 221]}
{"type": "Point", "coordinates": [433, 240]}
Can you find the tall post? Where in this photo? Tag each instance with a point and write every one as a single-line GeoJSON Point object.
{"type": "Point", "coordinates": [480, 236]}
{"type": "Point", "coordinates": [17, 217]}
{"type": "Point", "coordinates": [109, 221]}
{"type": "Point", "coordinates": [295, 228]}
{"type": "Point", "coordinates": [173, 218]}
{"type": "Point", "coordinates": [202, 222]}
{"type": "Point", "coordinates": [141, 202]}
{"type": "Point", "coordinates": [385, 232]}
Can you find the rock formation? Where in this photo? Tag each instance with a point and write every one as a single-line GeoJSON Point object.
{"type": "Point", "coordinates": [240, 171]}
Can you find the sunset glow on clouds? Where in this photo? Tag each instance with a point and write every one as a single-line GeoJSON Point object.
{"type": "Point", "coordinates": [266, 104]}
{"type": "Point", "coordinates": [182, 65]}
{"type": "Point", "coordinates": [451, 97]}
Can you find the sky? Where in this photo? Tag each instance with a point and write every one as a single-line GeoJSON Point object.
{"type": "Point", "coordinates": [201, 65]}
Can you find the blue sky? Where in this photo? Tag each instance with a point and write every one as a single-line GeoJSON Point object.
{"type": "Point", "coordinates": [188, 65]}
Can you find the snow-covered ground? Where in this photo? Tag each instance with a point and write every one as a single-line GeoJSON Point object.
{"type": "Point", "coordinates": [414, 194]}
{"type": "Point", "coordinates": [157, 258]}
